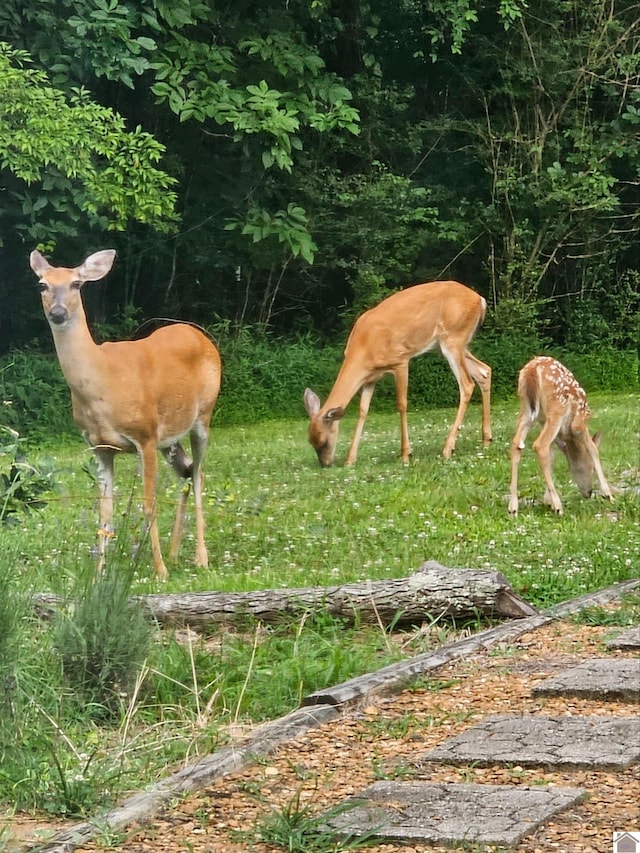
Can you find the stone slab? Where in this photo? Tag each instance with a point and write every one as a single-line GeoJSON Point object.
{"type": "Point", "coordinates": [598, 743]}
{"type": "Point", "coordinates": [596, 678]}
{"type": "Point", "coordinates": [629, 640]}
{"type": "Point", "coordinates": [450, 814]}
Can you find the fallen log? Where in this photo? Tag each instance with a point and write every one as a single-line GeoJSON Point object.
{"type": "Point", "coordinates": [433, 592]}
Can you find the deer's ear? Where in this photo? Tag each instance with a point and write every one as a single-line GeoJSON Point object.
{"type": "Point", "coordinates": [334, 414]}
{"type": "Point", "coordinates": [596, 438]}
{"type": "Point", "coordinates": [311, 402]}
{"type": "Point", "coordinates": [96, 266]}
{"type": "Point", "coordinates": [39, 264]}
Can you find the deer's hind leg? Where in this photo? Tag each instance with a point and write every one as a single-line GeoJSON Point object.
{"type": "Point", "coordinates": [199, 439]}
{"type": "Point", "coordinates": [481, 375]}
{"type": "Point", "coordinates": [181, 463]}
{"type": "Point", "coordinates": [149, 459]}
{"type": "Point", "coordinates": [523, 426]}
{"type": "Point", "coordinates": [458, 365]}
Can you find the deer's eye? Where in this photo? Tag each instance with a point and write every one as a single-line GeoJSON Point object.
{"type": "Point", "coordinates": [42, 286]}
{"type": "Point", "coordinates": [76, 285]}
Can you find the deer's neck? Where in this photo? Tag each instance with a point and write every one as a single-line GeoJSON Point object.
{"type": "Point", "coordinates": [349, 381]}
{"type": "Point", "coordinates": [78, 354]}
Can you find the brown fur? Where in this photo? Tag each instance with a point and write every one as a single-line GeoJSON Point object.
{"type": "Point", "coordinates": [134, 396]}
{"type": "Point", "coordinates": [549, 394]}
{"type": "Point", "coordinates": [440, 314]}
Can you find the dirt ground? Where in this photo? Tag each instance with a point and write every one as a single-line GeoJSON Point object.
{"type": "Point", "coordinates": [386, 739]}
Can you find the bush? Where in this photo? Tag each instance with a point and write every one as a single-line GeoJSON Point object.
{"type": "Point", "coordinates": [102, 642]}
{"type": "Point", "coordinates": [22, 486]}
{"type": "Point", "coordinates": [9, 644]}
{"type": "Point", "coordinates": [264, 377]}
{"type": "Point", "coordinates": [34, 396]}
{"type": "Point", "coordinates": [603, 369]}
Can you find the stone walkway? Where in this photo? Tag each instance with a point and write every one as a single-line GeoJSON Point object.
{"type": "Point", "coordinates": [453, 814]}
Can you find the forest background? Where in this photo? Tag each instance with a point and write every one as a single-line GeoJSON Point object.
{"type": "Point", "coordinates": [269, 170]}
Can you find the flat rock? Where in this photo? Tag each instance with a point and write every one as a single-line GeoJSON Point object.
{"type": "Point", "coordinates": [450, 814]}
{"type": "Point", "coordinates": [596, 678]}
{"type": "Point", "coordinates": [599, 743]}
{"type": "Point", "coordinates": [629, 640]}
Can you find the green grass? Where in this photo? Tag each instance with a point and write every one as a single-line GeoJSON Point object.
{"type": "Point", "coordinates": [275, 519]}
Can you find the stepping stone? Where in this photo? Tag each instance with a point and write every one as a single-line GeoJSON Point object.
{"type": "Point", "coordinates": [450, 814]}
{"type": "Point", "coordinates": [599, 743]}
{"type": "Point", "coordinates": [598, 678]}
{"type": "Point", "coordinates": [629, 640]}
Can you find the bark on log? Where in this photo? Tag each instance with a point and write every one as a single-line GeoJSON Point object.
{"type": "Point", "coordinates": [434, 591]}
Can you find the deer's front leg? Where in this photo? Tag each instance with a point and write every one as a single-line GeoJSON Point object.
{"type": "Point", "coordinates": [592, 447]}
{"type": "Point", "coordinates": [544, 452]}
{"type": "Point", "coordinates": [365, 401]}
{"type": "Point", "coordinates": [402, 388]}
{"type": "Point", "coordinates": [105, 460]}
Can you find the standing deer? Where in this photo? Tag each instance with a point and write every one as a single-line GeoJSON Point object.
{"type": "Point", "coordinates": [134, 397]}
{"type": "Point", "coordinates": [550, 394]}
{"type": "Point", "coordinates": [383, 340]}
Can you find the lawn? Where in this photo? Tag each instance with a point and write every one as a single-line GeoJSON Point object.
{"type": "Point", "coordinates": [276, 519]}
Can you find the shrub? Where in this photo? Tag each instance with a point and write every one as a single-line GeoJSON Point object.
{"type": "Point", "coordinates": [9, 643]}
{"type": "Point", "coordinates": [103, 641]}
{"type": "Point", "coordinates": [603, 369]}
{"type": "Point", "coordinates": [22, 486]}
{"type": "Point", "coordinates": [264, 376]}
{"type": "Point", "coordinates": [34, 396]}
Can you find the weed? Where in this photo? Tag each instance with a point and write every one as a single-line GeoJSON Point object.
{"type": "Point", "coordinates": [435, 685]}
{"type": "Point", "coordinates": [5, 837]}
{"type": "Point", "coordinates": [295, 828]}
{"type": "Point", "coordinates": [22, 486]}
{"type": "Point", "coordinates": [399, 770]}
{"type": "Point", "coordinates": [10, 617]}
{"type": "Point", "coordinates": [396, 728]}
{"type": "Point", "coordinates": [108, 838]}
{"type": "Point", "coordinates": [626, 614]}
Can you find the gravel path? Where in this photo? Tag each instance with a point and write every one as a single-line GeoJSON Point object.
{"type": "Point", "coordinates": [386, 740]}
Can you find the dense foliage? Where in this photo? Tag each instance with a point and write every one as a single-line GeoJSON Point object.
{"type": "Point", "coordinates": [287, 164]}
{"type": "Point", "coordinates": [264, 376]}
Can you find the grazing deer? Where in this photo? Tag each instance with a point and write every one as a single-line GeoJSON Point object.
{"type": "Point", "coordinates": [383, 340]}
{"type": "Point", "coordinates": [134, 397]}
{"type": "Point", "coordinates": [549, 394]}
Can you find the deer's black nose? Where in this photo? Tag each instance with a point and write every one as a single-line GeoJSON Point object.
{"type": "Point", "coordinates": [58, 314]}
